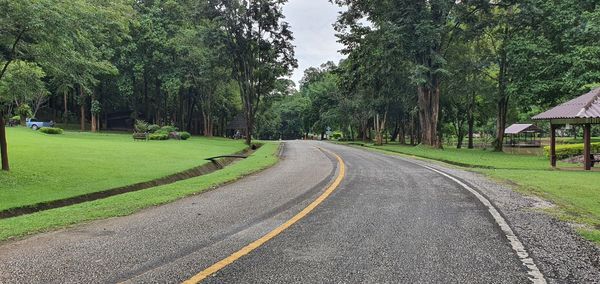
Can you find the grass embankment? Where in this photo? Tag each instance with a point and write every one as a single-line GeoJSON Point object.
{"type": "Point", "coordinates": [51, 167]}
{"type": "Point", "coordinates": [128, 203]}
{"type": "Point", "coordinates": [576, 193]}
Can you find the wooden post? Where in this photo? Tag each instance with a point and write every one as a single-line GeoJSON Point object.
{"type": "Point", "coordinates": [3, 146]}
{"type": "Point", "coordinates": [553, 145]}
{"type": "Point", "coordinates": [587, 146]}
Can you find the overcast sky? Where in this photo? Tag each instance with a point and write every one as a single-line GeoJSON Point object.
{"type": "Point", "coordinates": [315, 40]}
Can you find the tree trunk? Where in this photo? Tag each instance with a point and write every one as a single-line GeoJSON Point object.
{"type": "Point", "coordinates": [471, 121]}
{"type": "Point", "coordinates": [402, 133]}
{"type": "Point", "coordinates": [93, 123]}
{"type": "Point", "coordinates": [396, 131]}
{"type": "Point", "coordinates": [460, 139]}
{"type": "Point", "coordinates": [208, 124]}
{"type": "Point", "coordinates": [82, 108]}
{"type": "Point", "coordinates": [249, 126]}
{"type": "Point", "coordinates": [500, 124]}
{"type": "Point", "coordinates": [429, 100]}
{"type": "Point", "coordinates": [66, 112]}
{"type": "Point", "coordinates": [379, 128]}
{"type": "Point", "coordinates": [191, 107]}
{"type": "Point", "coordinates": [93, 115]}
{"type": "Point", "coordinates": [502, 101]}
{"type": "Point", "coordinates": [412, 130]}
{"type": "Point", "coordinates": [3, 145]}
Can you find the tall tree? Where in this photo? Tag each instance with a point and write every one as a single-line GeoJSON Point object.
{"type": "Point", "coordinates": [258, 42]}
{"type": "Point", "coordinates": [34, 30]}
{"type": "Point", "coordinates": [421, 32]}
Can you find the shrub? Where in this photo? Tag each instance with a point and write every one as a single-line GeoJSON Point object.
{"type": "Point", "coordinates": [568, 150]}
{"type": "Point", "coordinates": [159, 136]}
{"type": "Point", "coordinates": [174, 135]}
{"type": "Point", "coordinates": [16, 118]}
{"type": "Point", "coordinates": [153, 128]}
{"type": "Point", "coordinates": [167, 129]}
{"type": "Point", "coordinates": [141, 126]}
{"type": "Point", "coordinates": [184, 135]}
{"type": "Point", "coordinates": [51, 130]}
{"type": "Point", "coordinates": [336, 135]}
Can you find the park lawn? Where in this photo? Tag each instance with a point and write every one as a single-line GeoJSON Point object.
{"type": "Point", "coordinates": [475, 158]}
{"type": "Point", "coordinates": [576, 194]}
{"type": "Point", "coordinates": [51, 167]}
{"type": "Point", "coordinates": [128, 203]}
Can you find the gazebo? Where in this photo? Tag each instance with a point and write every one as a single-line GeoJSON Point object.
{"type": "Point", "coordinates": [584, 110]}
{"type": "Point", "coordinates": [522, 135]}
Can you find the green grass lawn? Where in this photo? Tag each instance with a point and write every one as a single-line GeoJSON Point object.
{"type": "Point", "coordinates": [472, 158]}
{"type": "Point", "coordinates": [50, 167]}
{"type": "Point", "coordinates": [576, 193]}
{"type": "Point", "coordinates": [128, 203]}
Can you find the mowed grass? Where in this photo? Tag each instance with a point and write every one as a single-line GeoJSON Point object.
{"type": "Point", "coordinates": [50, 167]}
{"type": "Point", "coordinates": [476, 158]}
{"type": "Point", "coordinates": [575, 192]}
{"type": "Point", "coordinates": [128, 203]}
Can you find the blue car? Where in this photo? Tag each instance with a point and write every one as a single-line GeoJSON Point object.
{"type": "Point", "coordinates": [36, 124]}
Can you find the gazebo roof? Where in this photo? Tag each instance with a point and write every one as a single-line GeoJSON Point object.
{"type": "Point", "coordinates": [521, 128]}
{"type": "Point", "coordinates": [583, 107]}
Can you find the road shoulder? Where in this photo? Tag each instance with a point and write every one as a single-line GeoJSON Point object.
{"type": "Point", "coordinates": [560, 252]}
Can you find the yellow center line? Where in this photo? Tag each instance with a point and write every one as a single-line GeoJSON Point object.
{"type": "Point", "coordinates": [254, 245]}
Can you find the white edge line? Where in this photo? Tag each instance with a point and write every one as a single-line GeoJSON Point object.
{"type": "Point", "coordinates": [536, 275]}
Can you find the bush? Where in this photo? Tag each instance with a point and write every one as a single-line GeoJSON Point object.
{"type": "Point", "coordinates": [184, 135]}
{"type": "Point", "coordinates": [51, 130]}
{"type": "Point", "coordinates": [16, 118]}
{"type": "Point", "coordinates": [336, 135]}
{"type": "Point", "coordinates": [174, 135]}
{"type": "Point", "coordinates": [566, 151]}
{"type": "Point", "coordinates": [141, 126]}
{"type": "Point", "coordinates": [167, 129]}
{"type": "Point", "coordinates": [153, 128]}
{"type": "Point", "coordinates": [159, 136]}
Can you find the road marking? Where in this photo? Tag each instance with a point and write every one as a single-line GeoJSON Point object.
{"type": "Point", "coordinates": [256, 244]}
{"type": "Point", "coordinates": [536, 275]}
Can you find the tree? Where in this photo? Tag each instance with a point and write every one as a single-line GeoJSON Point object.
{"type": "Point", "coordinates": [420, 32]}
{"type": "Point", "coordinates": [33, 30]}
{"type": "Point", "coordinates": [320, 86]}
{"type": "Point", "coordinates": [258, 42]}
{"type": "Point", "coordinates": [23, 84]}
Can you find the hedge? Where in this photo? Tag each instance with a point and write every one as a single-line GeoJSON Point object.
{"type": "Point", "coordinates": [566, 151]}
{"type": "Point", "coordinates": [51, 130]}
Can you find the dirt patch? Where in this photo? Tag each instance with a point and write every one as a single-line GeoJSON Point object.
{"type": "Point", "coordinates": [214, 165]}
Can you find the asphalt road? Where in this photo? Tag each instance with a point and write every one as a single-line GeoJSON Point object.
{"type": "Point", "coordinates": [389, 221]}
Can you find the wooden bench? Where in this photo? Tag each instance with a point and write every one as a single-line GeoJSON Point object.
{"type": "Point", "coordinates": [140, 136]}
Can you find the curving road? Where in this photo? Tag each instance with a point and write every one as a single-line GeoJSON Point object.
{"type": "Point", "coordinates": [389, 221]}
